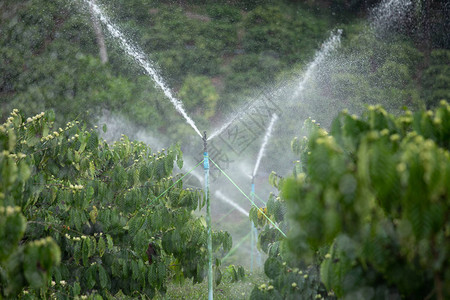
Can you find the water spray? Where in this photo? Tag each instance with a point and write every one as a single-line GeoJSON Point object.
{"type": "Point", "coordinates": [227, 124]}
{"type": "Point", "coordinates": [254, 234]}
{"type": "Point", "coordinates": [264, 144]}
{"type": "Point", "coordinates": [326, 49]}
{"type": "Point", "coordinates": [208, 215]}
{"type": "Point", "coordinates": [138, 55]}
{"type": "Point", "coordinates": [230, 202]}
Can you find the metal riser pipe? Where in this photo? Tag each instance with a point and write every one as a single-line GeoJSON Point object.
{"type": "Point", "coordinates": [208, 216]}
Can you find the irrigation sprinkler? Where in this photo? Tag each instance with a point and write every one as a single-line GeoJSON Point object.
{"type": "Point", "coordinates": [208, 215]}
{"type": "Point", "coordinates": [138, 55]}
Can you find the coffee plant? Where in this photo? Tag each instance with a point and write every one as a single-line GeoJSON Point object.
{"type": "Point", "coordinates": [374, 195]}
{"type": "Point", "coordinates": [289, 277]}
{"type": "Point", "coordinates": [82, 218]}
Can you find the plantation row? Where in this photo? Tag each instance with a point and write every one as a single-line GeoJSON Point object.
{"type": "Point", "coordinates": [369, 211]}
{"type": "Point", "coordinates": [83, 218]}
{"type": "Point", "coordinates": [368, 217]}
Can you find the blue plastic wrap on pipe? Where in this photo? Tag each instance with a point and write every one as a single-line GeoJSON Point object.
{"type": "Point", "coordinates": [205, 161]}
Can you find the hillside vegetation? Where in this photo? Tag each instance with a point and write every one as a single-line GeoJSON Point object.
{"type": "Point", "coordinates": [211, 54]}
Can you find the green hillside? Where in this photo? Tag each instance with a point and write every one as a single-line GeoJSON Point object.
{"type": "Point", "coordinates": [211, 54]}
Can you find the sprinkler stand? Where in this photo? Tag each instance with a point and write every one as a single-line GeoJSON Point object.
{"type": "Point", "coordinates": [208, 215]}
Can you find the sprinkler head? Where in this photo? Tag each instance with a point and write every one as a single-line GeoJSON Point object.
{"type": "Point", "coordinates": [205, 139]}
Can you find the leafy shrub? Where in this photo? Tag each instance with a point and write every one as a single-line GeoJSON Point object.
{"type": "Point", "coordinates": [289, 277]}
{"type": "Point", "coordinates": [375, 194]}
{"type": "Point", "coordinates": [87, 218]}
